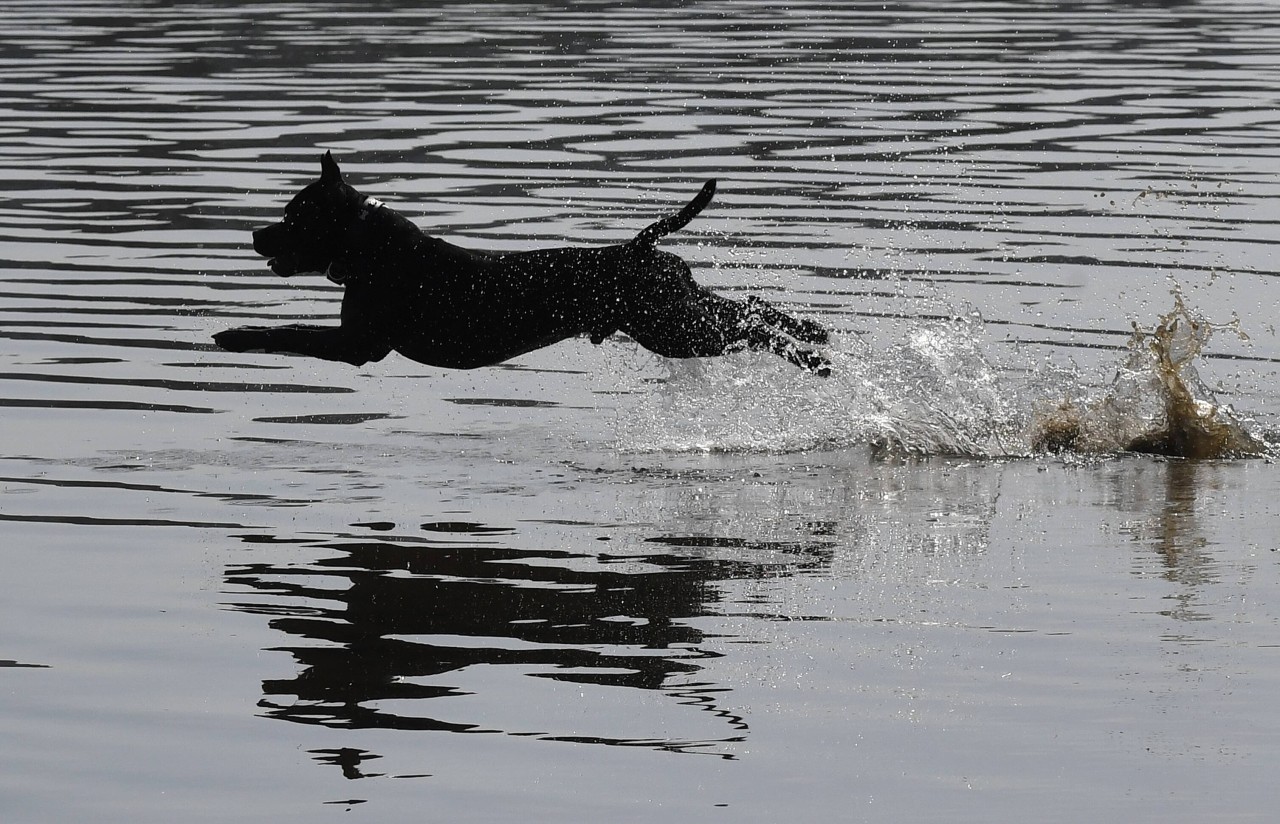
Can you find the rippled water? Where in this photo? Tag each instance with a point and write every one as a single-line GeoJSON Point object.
{"type": "Point", "coordinates": [591, 585]}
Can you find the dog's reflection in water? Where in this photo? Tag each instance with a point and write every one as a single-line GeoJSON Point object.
{"type": "Point", "coordinates": [378, 627]}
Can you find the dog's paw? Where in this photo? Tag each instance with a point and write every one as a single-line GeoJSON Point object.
{"type": "Point", "coordinates": [241, 339]}
{"type": "Point", "coordinates": [815, 362]}
{"type": "Point", "coordinates": [819, 366]}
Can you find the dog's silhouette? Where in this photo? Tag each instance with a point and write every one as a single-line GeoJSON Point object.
{"type": "Point", "coordinates": [444, 305]}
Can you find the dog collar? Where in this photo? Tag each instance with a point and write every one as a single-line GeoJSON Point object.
{"type": "Point", "coordinates": [370, 205]}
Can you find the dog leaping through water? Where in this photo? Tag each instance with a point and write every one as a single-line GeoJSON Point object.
{"type": "Point", "coordinates": [443, 305]}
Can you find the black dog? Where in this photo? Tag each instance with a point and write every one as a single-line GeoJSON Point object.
{"type": "Point", "coordinates": [443, 305]}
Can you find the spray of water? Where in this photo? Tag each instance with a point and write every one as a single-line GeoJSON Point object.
{"type": "Point", "coordinates": [1156, 402]}
{"type": "Point", "coordinates": [935, 391]}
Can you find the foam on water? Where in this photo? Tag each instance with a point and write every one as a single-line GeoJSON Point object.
{"type": "Point", "coordinates": [935, 389]}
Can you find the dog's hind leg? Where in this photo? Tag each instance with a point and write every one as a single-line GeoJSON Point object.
{"type": "Point", "coordinates": [333, 343]}
{"type": "Point", "coordinates": [799, 328]}
{"type": "Point", "coordinates": [766, 338]}
{"type": "Point", "coordinates": [704, 325]}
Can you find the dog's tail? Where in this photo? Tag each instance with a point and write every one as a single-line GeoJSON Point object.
{"type": "Point", "coordinates": [651, 233]}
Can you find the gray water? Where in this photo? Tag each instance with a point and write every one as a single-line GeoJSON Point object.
{"type": "Point", "coordinates": [590, 585]}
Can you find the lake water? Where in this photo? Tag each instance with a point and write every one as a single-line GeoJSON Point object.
{"type": "Point", "coordinates": [590, 585]}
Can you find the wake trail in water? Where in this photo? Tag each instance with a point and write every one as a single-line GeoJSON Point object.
{"type": "Point", "coordinates": [936, 391]}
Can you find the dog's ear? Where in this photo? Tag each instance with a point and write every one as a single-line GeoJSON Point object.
{"type": "Point", "coordinates": [329, 171]}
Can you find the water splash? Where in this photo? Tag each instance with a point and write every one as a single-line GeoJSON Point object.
{"type": "Point", "coordinates": [1157, 402]}
{"type": "Point", "coordinates": [934, 390]}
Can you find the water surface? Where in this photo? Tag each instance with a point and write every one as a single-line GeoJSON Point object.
{"type": "Point", "coordinates": [590, 585]}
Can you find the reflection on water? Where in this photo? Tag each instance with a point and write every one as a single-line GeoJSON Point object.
{"type": "Point", "coordinates": [388, 623]}
{"type": "Point", "coordinates": [1168, 500]}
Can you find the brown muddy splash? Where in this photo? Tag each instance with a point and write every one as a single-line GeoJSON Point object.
{"type": "Point", "coordinates": [1157, 403]}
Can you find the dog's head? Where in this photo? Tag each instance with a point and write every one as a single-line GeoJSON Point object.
{"type": "Point", "coordinates": [309, 237]}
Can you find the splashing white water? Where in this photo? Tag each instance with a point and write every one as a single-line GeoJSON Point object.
{"type": "Point", "coordinates": [935, 391]}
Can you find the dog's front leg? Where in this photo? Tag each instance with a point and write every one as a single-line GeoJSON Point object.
{"type": "Point", "coordinates": [327, 342]}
